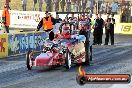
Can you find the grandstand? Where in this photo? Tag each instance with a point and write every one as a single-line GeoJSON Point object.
{"type": "Point", "coordinates": [17, 5]}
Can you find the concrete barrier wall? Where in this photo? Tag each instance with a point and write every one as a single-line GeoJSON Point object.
{"type": "Point", "coordinates": [20, 43]}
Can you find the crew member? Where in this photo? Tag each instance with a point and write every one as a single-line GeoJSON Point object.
{"type": "Point", "coordinates": [6, 19]}
{"type": "Point", "coordinates": [98, 30]}
{"type": "Point", "coordinates": [47, 23]}
{"type": "Point", "coordinates": [95, 27]}
{"type": "Point", "coordinates": [58, 19]}
{"type": "Point", "coordinates": [88, 19]}
{"type": "Point", "coordinates": [110, 30]}
{"type": "Point", "coordinates": [82, 17]}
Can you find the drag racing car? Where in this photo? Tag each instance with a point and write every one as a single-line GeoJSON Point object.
{"type": "Point", "coordinates": [67, 49]}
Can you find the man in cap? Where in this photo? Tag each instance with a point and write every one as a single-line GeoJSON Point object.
{"type": "Point", "coordinates": [46, 22]}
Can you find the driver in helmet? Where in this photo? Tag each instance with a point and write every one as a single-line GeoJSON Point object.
{"type": "Point", "coordinates": [66, 30]}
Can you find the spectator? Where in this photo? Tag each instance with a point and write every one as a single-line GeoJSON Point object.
{"type": "Point", "coordinates": [110, 30]}
{"type": "Point", "coordinates": [123, 16]}
{"type": "Point", "coordinates": [73, 18]}
{"type": "Point", "coordinates": [68, 9]}
{"type": "Point", "coordinates": [34, 5]}
{"type": "Point", "coordinates": [96, 8]}
{"type": "Point", "coordinates": [84, 5]}
{"type": "Point", "coordinates": [40, 5]}
{"type": "Point", "coordinates": [88, 19]}
{"type": "Point", "coordinates": [106, 20]}
{"type": "Point", "coordinates": [114, 8]}
{"type": "Point", "coordinates": [62, 3]}
{"type": "Point", "coordinates": [24, 4]}
{"type": "Point", "coordinates": [56, 5]}
{"type": "Point", "coordinates": [7, 3]}
{"type": "Point", "coordinates": [108, 9]}
{"type": "Point", "coordinates": [88, 4]}
{"type": "Point", "coordinates": [79, 4]}
{"type": "Point", "coordinates": [92, 5]}
{"type": "Point", "coordinates": [76, 7]}
{"type": "Point", "coordinates": [103, 7]}
{"type": "Point", "coordinates": [5, 19]}
{"type": "Point", "coordinates": [48, 5]}
{"type": "Point", "coordinates": [99, 5]}
{"type": "Point", "coordinates": [58, 19]}
{"type": "Point", "coordinates": [98, 30]}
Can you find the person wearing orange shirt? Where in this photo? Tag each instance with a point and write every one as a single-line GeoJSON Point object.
{"type": "Point", "coordinates": [46, 22]}
{"type": "Point", "coordinates": [6, 19]}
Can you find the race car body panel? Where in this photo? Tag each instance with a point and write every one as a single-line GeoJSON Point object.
{"type": "Point", "coordinates": [67, 48]}
{"type": "Point", "coordinates": [43, 59]}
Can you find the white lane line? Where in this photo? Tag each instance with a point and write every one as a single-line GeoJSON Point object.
{"type": "Point", "coordinates": [20, 64]}
{"type": "Point", "coordinates": [11, 67]}
{"type": "Point", "coordinates": [124, 44]}
{"type": "Point", "coordinates": [115, 54]}
{"type": "Point", "coordinates": [122, 52]}
{"type": "Point", "coordinates": [106, 50]}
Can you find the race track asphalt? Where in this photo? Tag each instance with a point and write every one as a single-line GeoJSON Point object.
{"type": "Point", "coordinates": [109, 59]}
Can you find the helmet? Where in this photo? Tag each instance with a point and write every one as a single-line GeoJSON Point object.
{"type": "Point", "coordinates": [66, 30]}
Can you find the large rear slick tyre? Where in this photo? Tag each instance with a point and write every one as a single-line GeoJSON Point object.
{"type": "Point", "coordinates": [91, 53]}
{"type": "Point", "coordinates": [68, 62]}
{"type": "Point", "coordinates": [87, 51]}
{"type": "Point", "coordinates": [29, 60]}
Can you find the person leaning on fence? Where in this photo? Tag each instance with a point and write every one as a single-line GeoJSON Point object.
{"type": "Point", "coordinates": [47, 23]}
{"type": "Point", "coordinates": [5, 19]}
